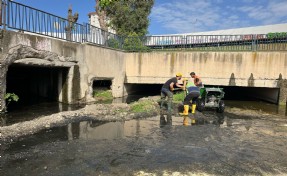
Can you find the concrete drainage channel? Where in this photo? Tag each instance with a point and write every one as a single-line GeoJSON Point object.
{"type": "Point", "coordinates": [226, 144]}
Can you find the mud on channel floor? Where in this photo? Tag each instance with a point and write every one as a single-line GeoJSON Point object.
{"type": "Point", "coordinates": [218, 144]}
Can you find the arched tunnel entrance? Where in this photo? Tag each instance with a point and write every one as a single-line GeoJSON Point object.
{"type": "Point", "coordinates": [35, 84]}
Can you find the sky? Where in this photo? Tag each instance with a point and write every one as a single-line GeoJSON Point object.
{"type": "Point", "coordinates": [185, 16]}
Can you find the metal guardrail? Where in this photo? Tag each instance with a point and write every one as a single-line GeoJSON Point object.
{"type": "Point", "coordinates": [251, 42]}
{"type": "Point", "coordinates": [20, 17]}
{"type": "Point", "coordinates": [25, 18]}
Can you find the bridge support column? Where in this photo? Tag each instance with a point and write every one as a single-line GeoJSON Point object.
{"type": "Point", "coordinates": [283, 92]}
{"type": "Point", "coordinates": [69, 86]}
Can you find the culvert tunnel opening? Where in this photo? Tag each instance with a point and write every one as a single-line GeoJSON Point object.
{"type": "Point", "coordinates": [101, 85]}
{"type": "Point", "coordinates": [233, 93]}
{"type": "Point", "coordinates": [270, 95]}
{"type": "Point", "coordinates": [104, 84]}
{"type": "Point", "coordinates": [34, 84]}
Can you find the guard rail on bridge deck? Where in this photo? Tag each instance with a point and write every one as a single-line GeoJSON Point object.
{"type": "Point", "coordinates": [16, 16]}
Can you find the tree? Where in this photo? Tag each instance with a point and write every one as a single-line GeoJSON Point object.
{"type": "Point", "coordinates": [127, 16]}
{"type": "Point", "coordinates": [100, 10]}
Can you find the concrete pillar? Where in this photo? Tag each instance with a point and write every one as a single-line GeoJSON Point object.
{"type": "Point", "coordinates": [283, 92]}
{"type": "Point", "coordinates": [118, 87]}
{"type": "Point", "coordinates": [69, 86]}
{"type": "Point", "coordinates": [3, 73]}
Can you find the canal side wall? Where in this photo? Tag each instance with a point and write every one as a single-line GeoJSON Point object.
{"type": "Point", "coordinates": [87, 63]}
{"type": "Point", "coordinates": [245, 69]}
{"type": "Point", "coordinates": [252, 69]}
{"type": "Point", "coordinates": [104, 64]}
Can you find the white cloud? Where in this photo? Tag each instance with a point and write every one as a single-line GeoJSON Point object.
{"type": "Point", "coordinates": [270, 13]}
{"type": "Point", "coordinates": [185, 16]}
{"type": "Point", "coordinates": [278, 8]}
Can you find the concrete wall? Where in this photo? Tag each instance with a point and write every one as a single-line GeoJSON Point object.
{"type": "Point", "coordinates": [253, 69]}
{"type": "Point", "coordinates": [92, 62]}
{"type": "Point", "coordinates": [102, 63]}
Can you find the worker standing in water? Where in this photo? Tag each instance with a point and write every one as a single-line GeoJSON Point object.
{"type": "Point", "coordinates": [192, 94]}
{"type": "Point", "coordinates": [167, 90]}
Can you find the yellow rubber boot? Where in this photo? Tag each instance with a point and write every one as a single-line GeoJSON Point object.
{"type": "Point", "coordinates": [185, 110]}
{"type": "Point", "coordinates": [185, 121]}
{"type": "Point", "coordinates": [193, 107]}
{"type": "Point", "coordinates": [193, 121]}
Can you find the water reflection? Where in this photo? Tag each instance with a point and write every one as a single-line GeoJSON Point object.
{"type": "Point", "coordinates": [25, 113]}
{"type": "Point", "coordinates": [111, 130]}
{"type": "Point", "coordinates": [203, 119]}
{"type": "Point", "coordinates": [258, 105]}
{"type": "Point", "coordinates": [165, 119]}
{"type": "Point", "coordinates": [95, 130]}
{"type": "Point", "coordinates": [165, 122]}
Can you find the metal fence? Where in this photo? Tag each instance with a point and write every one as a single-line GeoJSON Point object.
{"type": "Point", "coordinates": [251, 42]}
{"type": "Point", "coordinates": [16, 16]}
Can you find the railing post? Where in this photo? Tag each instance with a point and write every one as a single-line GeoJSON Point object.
{"type": "Point", "coordinates": [3, 14]}
{"type": "Point", "coordinates": [254, 45]}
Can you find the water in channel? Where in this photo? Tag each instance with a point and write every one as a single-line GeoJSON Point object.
{"type": "Point", "coordinates": [216, 144]}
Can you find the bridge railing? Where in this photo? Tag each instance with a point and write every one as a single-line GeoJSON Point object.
{"type": "Point", "coordinates": [20, 17]}
{"type": "Point", "coordinates": [24, 18]}
{"type": "Point", "coordinates": [247, 42]}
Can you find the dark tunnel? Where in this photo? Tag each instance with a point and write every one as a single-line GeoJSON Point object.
{"type": "Point", "coordinates": [102, 84]}
{"type": "Point", "coordinates": [235, 93]}
{"type": "Point", "coordinates": [34, 84]}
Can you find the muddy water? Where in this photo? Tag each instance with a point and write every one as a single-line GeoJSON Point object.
{"type": "Point", "coordinates": [216, 144]}
{"type": "Point", "coordinates": [25, 113]}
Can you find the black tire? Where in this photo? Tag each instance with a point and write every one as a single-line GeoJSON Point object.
{"type": "Point", "coordinates": [221, 106]}
{"type": "Point", "coordinates": [200, 105]}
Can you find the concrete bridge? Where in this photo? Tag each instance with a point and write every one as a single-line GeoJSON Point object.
{"type": "Point", "coordinates": [33, 66]}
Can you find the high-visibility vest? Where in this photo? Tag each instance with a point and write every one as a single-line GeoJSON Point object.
{"type": "Point", "coordinates": [191, 87]}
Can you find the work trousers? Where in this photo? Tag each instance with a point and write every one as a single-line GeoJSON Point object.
{"type": "Point", "coordinates": [191, 96]}
{"type": "Point", "coordinates": [166, 93]}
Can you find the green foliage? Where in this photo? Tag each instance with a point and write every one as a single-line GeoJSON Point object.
{"type": "Point", "coordinates": [105, 3]}
{"type": "Point", "coordinates": [103, 94]}
{"type": "Point", "coordinates": [113, 43]}
{"type": "Point", "coordinates": [142, 106]}
{"type": "Point", "coordinates": [9, 97]}
{"type": "Point", "coordinates": [276, 35]}
{"type": "Point", "coordinates": [128, 16]}
{"type": "Point", "coordinates": [179, 96]}
{"type": "Point", "coordinates": [134, 43]}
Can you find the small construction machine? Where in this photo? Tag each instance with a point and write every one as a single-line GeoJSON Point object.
{"type": "Point", "coordinates": [211, 98]}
